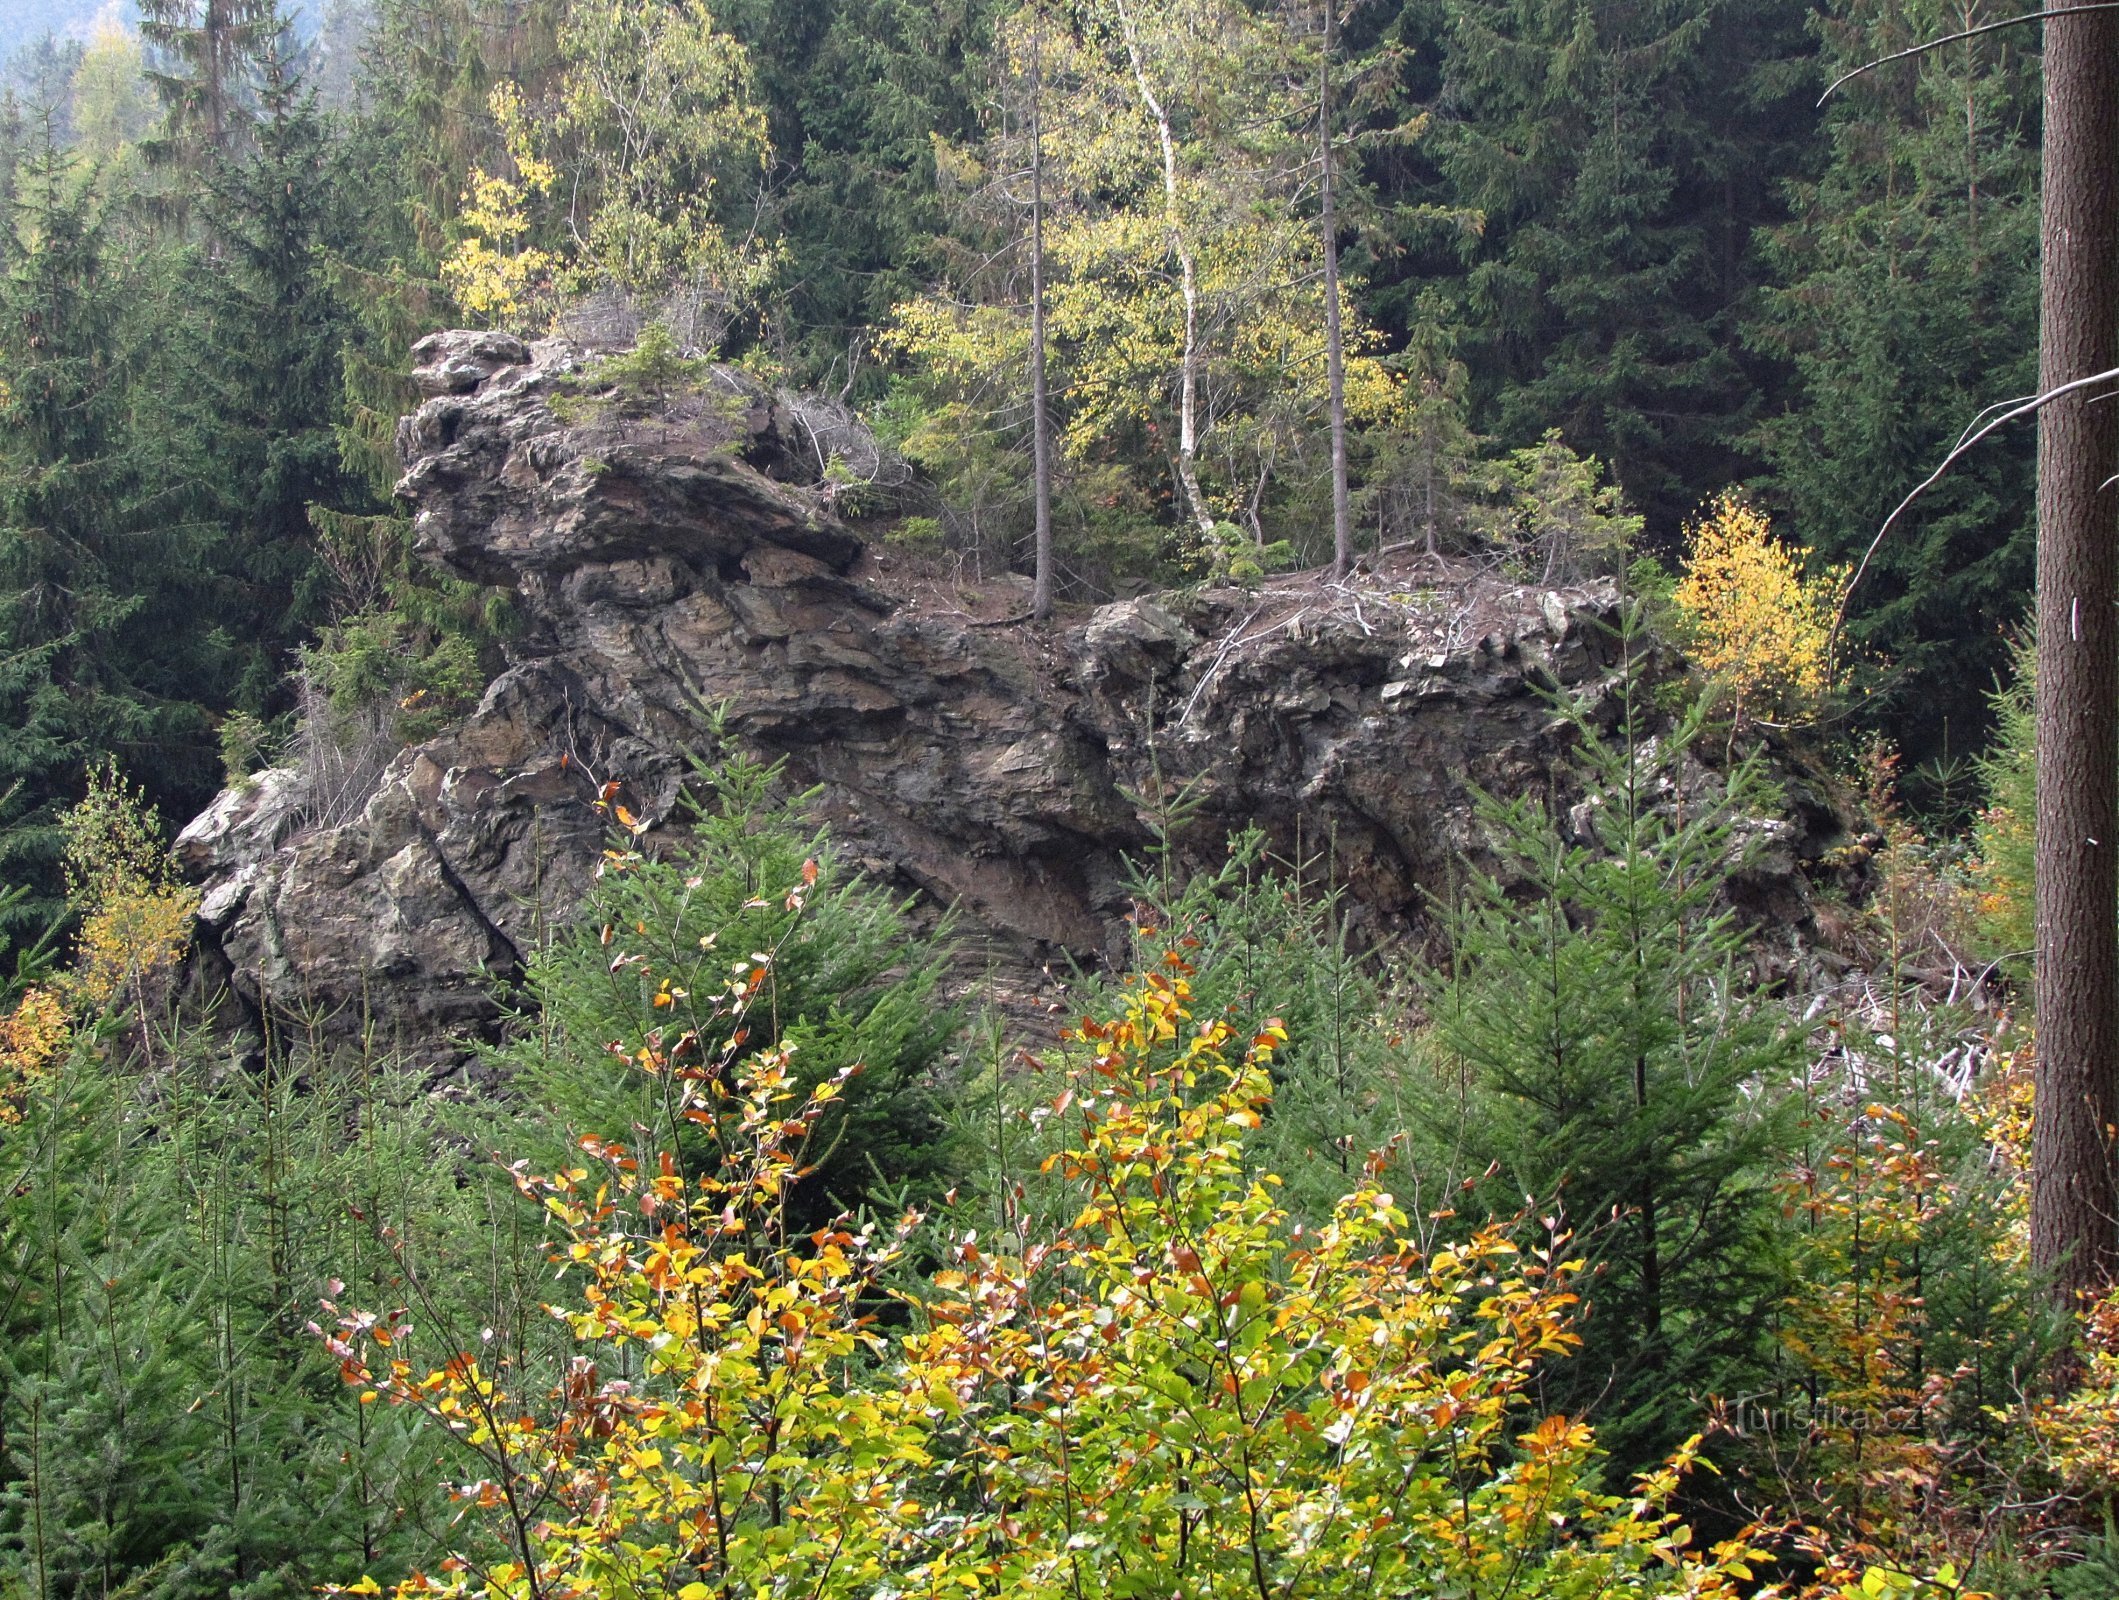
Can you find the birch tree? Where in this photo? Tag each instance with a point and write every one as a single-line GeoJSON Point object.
{"type": "Point", "coordinates": [1182, 263]}
{"type": "Point", "coordinates": [651, 150]}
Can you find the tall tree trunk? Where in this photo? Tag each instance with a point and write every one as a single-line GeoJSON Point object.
{"type": "Point", "coordinates": [1334, 337]}
{"type": "Point", "coordinates": [1040, 399]}
{"type": "Point", "coordinates": [2074, 1234]}
{"type": "Point", "coordinates": [1188, 284]}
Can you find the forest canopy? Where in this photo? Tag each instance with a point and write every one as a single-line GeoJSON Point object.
{"type": "Point", "coordinates": [1592, 1249]}
{"type": "Point", "coordinates": [1593, 256]}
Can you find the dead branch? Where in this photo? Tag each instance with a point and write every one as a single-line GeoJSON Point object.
{"type": "Point", "coordinates": [1965, 443]}
{"type": "Point", "coordinates": [1959, 38]}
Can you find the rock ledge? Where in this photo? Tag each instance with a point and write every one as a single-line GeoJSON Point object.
{"type": "Point", "coordinates": [669, 565]}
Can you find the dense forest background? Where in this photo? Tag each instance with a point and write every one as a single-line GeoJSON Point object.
{"type": "Point", "coordinates": [1293, 1265]}
{"type": "Point", "coordinates": [1585, 246]}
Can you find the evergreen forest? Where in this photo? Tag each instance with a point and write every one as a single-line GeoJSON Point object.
{"type": "Point", "coordinates": [1602, 1242]}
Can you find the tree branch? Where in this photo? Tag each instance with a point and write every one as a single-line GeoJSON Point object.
{"type": "Point", "coordinates": [1970, 437]}
{"type": "Point", "coordinates": [1959, 38]}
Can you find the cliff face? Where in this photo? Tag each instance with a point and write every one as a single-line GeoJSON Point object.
{"type": "Point", "coordinates": [669, 565]}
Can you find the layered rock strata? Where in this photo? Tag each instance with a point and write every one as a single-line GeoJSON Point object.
{"type": "Point", "coordinates": [678, 566]}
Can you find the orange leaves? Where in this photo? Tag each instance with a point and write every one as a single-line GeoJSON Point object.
{"type": "Point", "coordinates": [1169, 1391]}
{"type": "Point", "coordinates": [1556, 1438]}
{"type": "Point", "coordinates": [735, 1343]}
{"type": "Point", "coordinates": [2081, 1430]}
{"type": "Point", "coordinates": [1874, 1465]}
{"type": "Point", "coordinates": [1195, 1400]}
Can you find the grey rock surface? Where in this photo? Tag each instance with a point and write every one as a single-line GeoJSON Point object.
{"type": "Point", "coordinates": [670, 564]}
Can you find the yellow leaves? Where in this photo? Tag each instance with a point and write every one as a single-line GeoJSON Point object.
{"type": "Point", "coordinates": [1229, 219]}
{"type": "Point", "coordinates": [1759, 623]}
{"type": "Point", "coordinates": [31, 1038]}
{"type": "Point", "coordinates": [136, 925]}
{"type": "Point", "coordinates": [2081, 1430]}
{"type": "Point", "coordinates": [1875, 1474]}
{"type": "Point", "coordinates": [130, 938]}
{"type": "Point", "coordinates": [1172, 1386]}
{"type": "Point", "coordinates": [1890, 1583]}
{"type": "Point", "coordinates": [653, 106]}
{"type": "Point", "coordinates": [492, 269]}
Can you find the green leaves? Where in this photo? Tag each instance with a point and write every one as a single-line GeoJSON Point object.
{"type": "Point", "coordinates": [1182, 258]}
{"type": "Point", "coordinates": [1175, 1393]}
{"type": "Point", "coordinates": [1600, 1052]}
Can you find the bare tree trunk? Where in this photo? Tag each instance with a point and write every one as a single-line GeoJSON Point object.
{"type": "Point", "coordinates": [2073, 1200]}
{"type": "Point", "coordinates": [210, 74]}
{"type": "Point", "coordinates": [1188, 283]}
{"type": "Point", "coordinates": [1040, 398]}
{"type": "Point", "coordinates": [1334, 339]}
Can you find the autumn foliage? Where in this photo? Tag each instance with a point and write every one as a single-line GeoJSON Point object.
{"type": "Point", "coordinates": [135, 925]}
{"type": "Point", "coordinates": [1176, 1391]}
{"type": "Point", "coordinates": [1760, 625]}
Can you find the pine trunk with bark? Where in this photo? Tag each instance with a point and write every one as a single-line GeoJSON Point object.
{"type": "Point", "coordinates": [2073, 1200]}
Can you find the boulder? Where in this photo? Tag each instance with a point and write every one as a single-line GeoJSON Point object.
{"type": "Point", "coordinates": [674, 568]}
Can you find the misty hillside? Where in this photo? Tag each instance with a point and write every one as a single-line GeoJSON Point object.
{"type": "Point", "coordinates": [24, 20]}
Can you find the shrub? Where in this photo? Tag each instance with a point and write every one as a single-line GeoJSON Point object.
{"type": "Point", "coordinates": [1265, 940]}
{"type": "Point", "coordinates": [629, 998]}
{"type": "Point", "coordinates": [1175, 1392]}
{"type": "Point", "coordinates": [1759, 624]}
{"type": "Point", "coordinates": [133, 925]}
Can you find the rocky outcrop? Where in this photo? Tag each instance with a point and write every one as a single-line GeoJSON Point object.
{"type": "Point", "coordinates": [669, 565]}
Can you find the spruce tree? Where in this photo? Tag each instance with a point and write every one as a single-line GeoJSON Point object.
{"type": "Point", "coordinates": [1603, 1056]}
{"type": "Point", "coordinates": [38, 81]}
{"type": "Point", "coordinates": [262, 366]}
{"type": "Point", "coordinates": [1905, 296]}
{"type": "Point", "coordinates": [631, 1020]}
{"type": "Point", "coordinates": [205, 55]}
{"type": "Point", "coordinates": [857, 92]}
{"type": "Point", "coordinates": [2074, 1188]}
{"type": "Point", "coordinates": [175, 1210]}
{"type": "Point", "coordinates": [100, 643]}
{"type": "Point", "coordinates": [1266, 939]}
{"type": "Point", "coordinates": [1616, 157]}
{"type": "Point", "coordinates": [166, 1418]}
